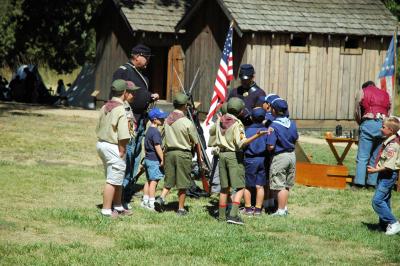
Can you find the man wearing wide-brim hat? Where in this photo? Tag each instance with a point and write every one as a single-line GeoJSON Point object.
{"type": "Point", "coordinates": [248, 91]}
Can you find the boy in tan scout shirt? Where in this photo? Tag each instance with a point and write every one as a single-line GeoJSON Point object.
{"type": "Point", "coordinates": [387, 167]}
{"type": "Point", "coordinates": [230, 139]}
{"type": "Point", "coordinates": [180, 139]}
{"type": "Point", "coordinates": [112, 132]}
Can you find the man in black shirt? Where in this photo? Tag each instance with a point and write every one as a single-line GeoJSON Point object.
{"type": "Point", "coordinates": [248, 91]}
{"type": "Point", "coordinates": [132, 71]}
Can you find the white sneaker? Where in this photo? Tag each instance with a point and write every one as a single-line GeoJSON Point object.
{"type": "Point", "coordinates": [393, 229]}
{"type": "Point", "coordinates": [143, 205]}
{"type": "Point", "coordinates": [280, 212]}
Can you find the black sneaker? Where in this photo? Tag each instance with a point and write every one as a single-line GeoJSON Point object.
{"type": "Point", "coordinates": [234, 220]}
{"type": "Point", "coordinates": [159, 204]}
{"type": "Point", "coordinates": [182, 212]}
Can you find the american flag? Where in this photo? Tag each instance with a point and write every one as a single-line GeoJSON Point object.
{"type": "Point", "coordinates": [224, 75]}
{"type": "Point", "coordinates": [386, 75]}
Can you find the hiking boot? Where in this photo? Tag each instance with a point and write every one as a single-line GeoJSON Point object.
{"type": "Point", "coordinates": [159, 204]}
{"type": "Point", "coordinates": [234, 220]}
{"type": "Point", "coordinates": [182, 212]}
{"type": "Point", "coordinates": [393, 229]}
{"type": "Point", "coordinates": [279, 213]}
{"type": "Point", "coordinates": [113, 215]}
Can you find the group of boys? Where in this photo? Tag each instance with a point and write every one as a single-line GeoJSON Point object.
{"type": "Point", "coordinates": [115, 128]}
{"type": "Point", "coordinates": [251, 158]}
{"type": "Point", "coordinates": [238, 147]}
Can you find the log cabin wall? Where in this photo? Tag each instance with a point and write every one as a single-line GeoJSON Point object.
{"type": "Point", "coordinates": [319, 84]}
{"type": "Point", "coordinates": [202, 47]}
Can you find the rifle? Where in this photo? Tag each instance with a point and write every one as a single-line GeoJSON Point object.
{"type": "Point", "coordinates": [193, 116]}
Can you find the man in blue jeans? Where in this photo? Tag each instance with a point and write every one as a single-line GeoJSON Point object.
{"type": "Point", "coordinates": [372, 106]}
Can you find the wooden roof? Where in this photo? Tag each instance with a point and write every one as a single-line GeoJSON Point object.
{"type": "Point", "coordinates": [154, 15]}
{"type": "Point", "coordinates": [355, 17]}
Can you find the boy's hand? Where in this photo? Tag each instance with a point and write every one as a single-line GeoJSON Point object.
{"type": "Point", "coordinates": [162, 163]}
{"type": "Point", "coordinates": [262, 132]}
{"type": "Point", "coordinates": [371, 169]}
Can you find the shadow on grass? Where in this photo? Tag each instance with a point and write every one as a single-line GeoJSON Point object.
{"type": "Point", "coordinates": [374, 227]}
{"type": "Point", "coordinates": [212, 207]}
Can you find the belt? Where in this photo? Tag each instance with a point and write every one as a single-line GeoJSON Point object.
{"type": "Point", "coordinates": [177, 149]}
{"type": "Point", "coordinates": [285, 151]}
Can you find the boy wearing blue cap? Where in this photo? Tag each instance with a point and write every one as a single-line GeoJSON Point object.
{"type": "Point", "coordinates": [154, 157]}
{"type": "Point", "coordinates": [267, 107]}
{"type": "Point", "coordinates": [255, 156]}
{"type": "Point", "coordinates": [281, 143]}
{"type": "Point", "coordinates": [230, 140]}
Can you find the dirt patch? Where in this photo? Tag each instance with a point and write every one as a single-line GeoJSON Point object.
{"type": "Point", "coordinates": [40, 110]}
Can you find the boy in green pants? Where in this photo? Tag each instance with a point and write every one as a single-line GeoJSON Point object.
{"type": "Point", "coordinates": [230, 139]}
{"type": "Point", "coordinates": [180, 139]}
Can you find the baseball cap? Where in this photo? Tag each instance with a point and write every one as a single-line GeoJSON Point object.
{"type": "Point", "coordinates": [258, 112]}
{"type": "Point", "coordinates": [121, 85]}
{"type": "Point", "coordinates": [157, 113]}
{"type": "Point", "coordinates": [279, 105]}
{"type": "Point", "coordinates": [270, 97]}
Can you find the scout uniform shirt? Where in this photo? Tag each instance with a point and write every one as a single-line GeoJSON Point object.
{"type": "Point", "coordinates": [229, 133]}
{"type": "Point", "coordinates": [113, 124]}
{"type": "Point", "coordinates": [180, 133]}
{"type": "Point", "coordinates": [389, 155]}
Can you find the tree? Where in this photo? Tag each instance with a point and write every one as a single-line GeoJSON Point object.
{"type": "Point", "coordinates": [393, 6]}
{"type": "Point", "coordinates": [58, 33]}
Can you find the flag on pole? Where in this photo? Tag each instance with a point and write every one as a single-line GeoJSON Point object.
{"type": "Point", "coordinates": [224, 75]}
{"type": "Point", "coordinates": [386, 75]}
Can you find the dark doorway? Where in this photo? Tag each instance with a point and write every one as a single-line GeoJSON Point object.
{"type": "Point", "coordinates": [157, 71]}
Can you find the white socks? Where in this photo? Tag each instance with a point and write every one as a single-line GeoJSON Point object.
{"type": "Point", "coordinates": [106, 211]}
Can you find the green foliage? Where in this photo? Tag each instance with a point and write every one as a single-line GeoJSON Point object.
{"type": "Point", "coordinates": [394, 7]}
{"type": "Point", "coordinates": [58, 33]}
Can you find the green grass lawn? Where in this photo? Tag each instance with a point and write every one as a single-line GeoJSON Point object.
{"type": "Point", "coordinates": [51, 181]}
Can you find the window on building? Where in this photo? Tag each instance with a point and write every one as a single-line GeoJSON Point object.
{"type": "Point", "coordinates": [351, 45]}
{"type": "Point", "coordinates": [298, 43]}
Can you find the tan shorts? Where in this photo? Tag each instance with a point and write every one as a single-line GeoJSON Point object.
{"type": "Point", "coordinates": [282, 171]}
{"type": "Point", "coordinates": [114, 165]}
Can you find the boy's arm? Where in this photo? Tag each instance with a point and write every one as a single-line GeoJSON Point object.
{"type": "Point", "coordinates": [122, 147]}
{"type": "Point", "coordinates": [372, 169]}
{"type": "Point", "coordinates": [249, 140]}
{"type": "Point", "coordinates": [160, 153]}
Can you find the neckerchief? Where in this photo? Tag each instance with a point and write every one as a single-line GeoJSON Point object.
{"type": "Point", "coordinates": [226, 122]}
{"type": "Point", "coordinates": [283, 121]}
{"type": "Point", "coordinates": [173, 116]}
{"type": "Point", "coordinates": [111, 105]}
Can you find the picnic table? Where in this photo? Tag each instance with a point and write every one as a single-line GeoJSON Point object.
{"type": "Point", "coordinates": [332, 140]}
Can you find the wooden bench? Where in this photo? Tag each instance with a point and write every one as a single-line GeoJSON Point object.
{"type": "Point", "coordinates": [321, 175]}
